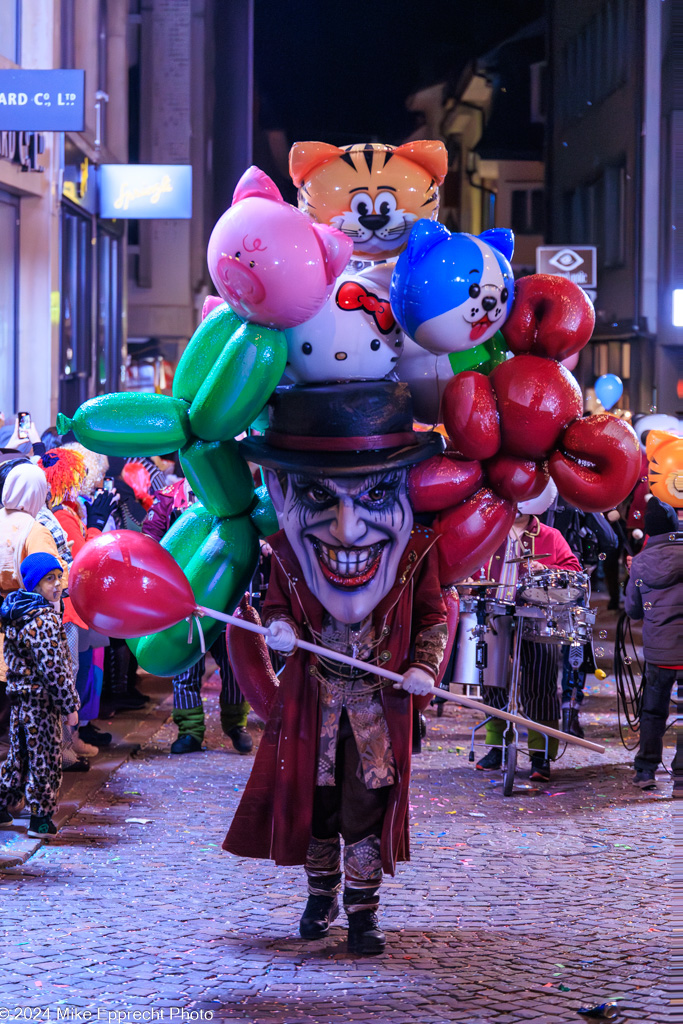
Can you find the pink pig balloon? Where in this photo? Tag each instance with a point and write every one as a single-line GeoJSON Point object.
{"type": "Point", "coordinates": [271, 263]}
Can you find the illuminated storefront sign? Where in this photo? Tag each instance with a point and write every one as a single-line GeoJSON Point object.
{"type": "Point", "coordinates": [136, 191]}
{"type": "Point", "coordinates": [43, 101]}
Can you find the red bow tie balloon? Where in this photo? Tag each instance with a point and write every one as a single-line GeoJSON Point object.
{"type": "Point", "coordinates": [124, 584]}
{"type": "Point", "coordinates": [352, 295]}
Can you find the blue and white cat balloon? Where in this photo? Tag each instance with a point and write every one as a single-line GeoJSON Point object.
{"type": "Point", "coordinates": [451, 291]}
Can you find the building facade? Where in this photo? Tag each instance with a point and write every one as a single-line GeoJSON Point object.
{"type": "Point", "coordinates": [82, 294]}
{"type": "Point", "coordinates": [62, 293]}
{"type": "Point", "coordinates": [614, 179]}
{"type": "Point", "coordinates": [491, 120]}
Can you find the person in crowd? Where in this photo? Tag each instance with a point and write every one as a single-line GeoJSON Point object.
{"type": "Point", "coordinates": [120, 691]}
{"type": "Point", "coordinates": [591, 538]}
{"type": "Point", "coordinates": [539, 662]}
{"type": "Point", "coordinates": [51, 439]}
{"type": "Point", "coordinates": [130, 512]}
{"type": "Point", "coordinates": [188, 709]}
{"type": "Point", "coordinates": [654, 593]}
{"type": "Point", "coordinates": [41, 689]}
{"type": "Point", "coordinates": [66, 471]}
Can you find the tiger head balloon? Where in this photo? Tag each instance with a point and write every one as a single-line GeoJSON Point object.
{"type": "Point", "coordinates": [665, 472]}
{"type": "Point", "coordinates": [371, 192]}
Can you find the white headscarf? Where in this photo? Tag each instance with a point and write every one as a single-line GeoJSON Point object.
{"type": "Point", "coordinates": [538, 505]}
{"type": "Point", "coordinates": [25, 489]}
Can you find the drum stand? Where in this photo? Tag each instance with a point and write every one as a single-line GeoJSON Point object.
{"type": "Point", "coordinates": [510, 736]}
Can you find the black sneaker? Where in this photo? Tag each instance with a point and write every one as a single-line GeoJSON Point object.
{"type": "Point", "coordinates": [6, 819]}
{"type": "Point", "coordinates": [241, 740]}
{"type": "Point", "coordinates": [91, 734]}
{"type": "Point", "coordinates": [645, 779]}
{"type": "Point", "coordinates": [319, 914]}
{"type": "Point", "coordinates": [81, 764]}
{"type": "Point", "coordinates": [540, 768]}
{"type": "Point", "coordinates": [186, 745]}
{"type": "Point", "coordinates": [41, 827]}
{"type": "Point", "coordinates": [365, 935]}
{"type": "Point", "coordinates": [492, 761]}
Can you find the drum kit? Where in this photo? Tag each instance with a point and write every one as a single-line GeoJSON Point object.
{"type": "Point", "coordinates": [548, 606]}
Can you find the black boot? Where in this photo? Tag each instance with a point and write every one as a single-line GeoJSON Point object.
{"type": "Point", "coordinates": [366, 938]}
{"type": "Point", "coordinates": [241, 740]}
{"type": "Point", "coordinates": [570, 722]}
{"type": "Point", "coordinates": [319, 914]}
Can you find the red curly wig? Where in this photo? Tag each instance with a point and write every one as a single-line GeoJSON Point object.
{"type": "Point", "coordinates": [65, 471]}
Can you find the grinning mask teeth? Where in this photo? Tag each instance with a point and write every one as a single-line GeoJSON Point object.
{"type": "Point", "coordinates": [349, 534]}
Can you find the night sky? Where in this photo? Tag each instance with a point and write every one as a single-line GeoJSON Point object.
{"type": "Point", "coordinates": [340, 72]}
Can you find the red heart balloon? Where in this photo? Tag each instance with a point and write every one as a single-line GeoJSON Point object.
{"type": "Point", "coordinates": [124, 584]}
{"type": "Point", "coordinates": [470, 415]}
{"type": "Point", "coordinates": [537, 399]}
{"type": "Point", "coordinates": [470, 533]}
{"type": "Point", "coordinates": [550, 317]}
{"type": "Point", "coordinates": [516, 479]}
{"type": "Point", "coordinates": [442, 481]}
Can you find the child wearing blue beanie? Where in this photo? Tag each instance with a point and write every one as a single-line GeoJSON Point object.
{"type": "Point", "coordinates": [41, 690]}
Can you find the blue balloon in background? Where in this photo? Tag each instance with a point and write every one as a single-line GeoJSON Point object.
{"type": "Point", "coordinates": [609, 389]}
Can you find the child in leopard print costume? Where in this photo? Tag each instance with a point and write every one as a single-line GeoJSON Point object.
{"type": "Point", "coordinates": [41, 690]}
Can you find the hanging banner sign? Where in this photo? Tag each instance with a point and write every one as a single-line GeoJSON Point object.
{"type": "Point", "coordinates": [145, 191]}
{"type": "Point", "coordinates": [42, 101]}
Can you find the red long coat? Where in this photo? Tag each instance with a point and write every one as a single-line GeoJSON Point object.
{"type": "Point", "coordinates": [273, 819]}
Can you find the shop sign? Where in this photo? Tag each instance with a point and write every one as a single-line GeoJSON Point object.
{"type": "Point", "coordinates": [145, 191]}
{"type": "Point", "coordinates": [44, 101]}
{"type": "Point", "coordinates": [22, 148]}
{"type": "Point", "coordinates": [577, 263]}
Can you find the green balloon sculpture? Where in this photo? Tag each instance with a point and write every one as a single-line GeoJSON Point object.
{"type": "Point", "coordinates": [223, 381]}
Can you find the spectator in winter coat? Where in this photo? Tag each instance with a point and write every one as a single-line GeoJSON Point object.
{"type": "Point", "coordinates": [654, 593]}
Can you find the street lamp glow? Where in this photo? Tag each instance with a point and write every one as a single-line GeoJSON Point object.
{"type": "Point", "coordinates": [677, 313]}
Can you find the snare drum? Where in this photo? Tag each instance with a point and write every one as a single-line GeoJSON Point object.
{"type": "Point", "coordinates": [497, 637]}
{"type": "Point", "coordinates": [553, 586]}
{"type": "Point", "coordinates": [564, 624]}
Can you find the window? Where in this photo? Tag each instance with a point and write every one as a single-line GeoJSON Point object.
{"type": "Point", "coordinates": [10, 30]}
{"type": "Point", "coordinates": [538, 92]}
{"type": "Point", "coordinates": [596, 60]}
{"type": "Point", "coordinates": [527, 211]}
{"type": "Point", "coordinates": [109, 310]}
{"type": "Point", "coordinates": [9, 291]}
{"type": "Point", "coordinates": [613, 221]}
{"type": "Point", "coordinates": [76, 335]}
{"type": "Point", "coordinates": [68, 34]}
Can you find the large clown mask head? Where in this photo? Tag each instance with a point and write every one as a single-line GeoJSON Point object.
{"type": "Point", "coordinates": [337, 457]}
{"type": "Point", "coordinates": [348, 534]}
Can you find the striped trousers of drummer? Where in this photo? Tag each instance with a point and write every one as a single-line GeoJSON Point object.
{"type": "Point", "coordinates": [187, 686]}
{"type": "Point", "coordinates": [538, 691]}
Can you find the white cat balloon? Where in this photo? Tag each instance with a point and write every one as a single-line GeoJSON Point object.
{"type": "Point", "coordinates": [354, 336]}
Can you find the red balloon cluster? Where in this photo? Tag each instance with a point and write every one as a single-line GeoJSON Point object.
{"type": "Point", "coordinates": [511, 430]}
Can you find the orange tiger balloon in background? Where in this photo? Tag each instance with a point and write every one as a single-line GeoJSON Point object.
{"type": "Point", "coordinates": [372, 192]}
{"type": "Point", "coordinates": [665, 471]}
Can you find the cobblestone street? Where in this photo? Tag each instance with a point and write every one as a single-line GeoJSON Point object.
{"type": "Point", "coordinates": [511, 910]}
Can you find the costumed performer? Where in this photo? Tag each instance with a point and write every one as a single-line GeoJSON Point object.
{"type": "Point", "coordinates": [350, 571]}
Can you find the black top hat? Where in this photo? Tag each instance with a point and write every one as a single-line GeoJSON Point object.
{"type": "Point", "coordinates": [356, 427]}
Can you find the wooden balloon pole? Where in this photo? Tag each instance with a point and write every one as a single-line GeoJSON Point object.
{"type": "Point", "coordinates": [395, 677]}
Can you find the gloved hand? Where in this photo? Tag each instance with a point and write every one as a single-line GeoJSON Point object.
{"type": "Point", "coordinates": [281, 637]}
{"type": "Point", "coordinates": [416, 681]}
{"type": "Point", "coordinates": [100, 508]}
